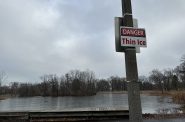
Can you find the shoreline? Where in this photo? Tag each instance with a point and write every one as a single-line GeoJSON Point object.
{"type": "Point", "coordinates": [149, 92]}
{"type": "Point", "coordinates": [163, 116]}
{"type": "Point", "coordinates": [3, 97]}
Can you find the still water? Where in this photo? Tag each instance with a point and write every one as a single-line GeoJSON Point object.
{"type": "Point", "coordinates": [150, 104]}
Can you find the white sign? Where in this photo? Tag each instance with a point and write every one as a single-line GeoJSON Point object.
{"type": "Point", "coordinates": [133, 37]}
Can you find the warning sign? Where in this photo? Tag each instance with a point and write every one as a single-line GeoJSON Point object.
{"type": "Point", "coordinates": [133, 37]}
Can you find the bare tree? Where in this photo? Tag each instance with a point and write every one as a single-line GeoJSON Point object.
{"type": "Point", "coordinates": [14, 88]}
{"type": "Point", "coordinates": [117, 83]}
{"type": "Point", "coordinates": [168, 77]}
{"type": "Point", "coordinates": [181, 69]}
{"type": "Point", "coordinates": [157, 77]}
{"type": "Point", "coordinates": [183, 58]}
{"type": "Point", "coordinates": [145, 84]}
{"type": "Point", "coordinates": [103, 85]}
{"type": "Point", "coordinates": [3, 77]}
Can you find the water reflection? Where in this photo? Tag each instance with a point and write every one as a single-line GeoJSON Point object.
{"type": "Point", "coordinates": [169, 107]}
{"type": "Point", "coordinates": [169, 111]}
{"type": "Point", "coordinates": [150, 104]}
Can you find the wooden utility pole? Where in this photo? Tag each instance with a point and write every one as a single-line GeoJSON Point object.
{"type": "Point", "coordinates": [135, 111]}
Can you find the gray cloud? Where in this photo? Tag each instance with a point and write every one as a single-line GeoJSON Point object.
{"type": "Point", "coordinates": [54, 36]}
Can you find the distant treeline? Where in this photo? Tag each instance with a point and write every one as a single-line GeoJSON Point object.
{"type": "Point", "coordinates": [84, 83]}
{"type": "Point", "coordinates": [73, 83]}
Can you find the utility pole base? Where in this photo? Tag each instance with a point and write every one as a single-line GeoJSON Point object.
{"type": "Point", "coordinates": [135, 111]}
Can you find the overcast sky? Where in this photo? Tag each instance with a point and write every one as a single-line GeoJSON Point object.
{"type": "Point", "coordinates": [55, 36]}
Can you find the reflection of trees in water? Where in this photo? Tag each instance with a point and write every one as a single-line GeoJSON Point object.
{"type": "Point", "coordinates": [163, 100]}
{"type": "Point", "coordinates": [160, 99]}
{"type": "Point", "coordinates": [169, 111]}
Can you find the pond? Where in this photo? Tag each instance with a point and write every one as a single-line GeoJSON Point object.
{"type": "Point", "coordinates": [150, 104]}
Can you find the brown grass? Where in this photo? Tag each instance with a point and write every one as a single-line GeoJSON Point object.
{"type": "Point", "coordinates": [179, 98]}
{"type": "Point", "coordinates": [157, 93]}
{"type": "Point", "coordinates": [3, 97]}
{"type": "Point", "coordinates": [149, 92]}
